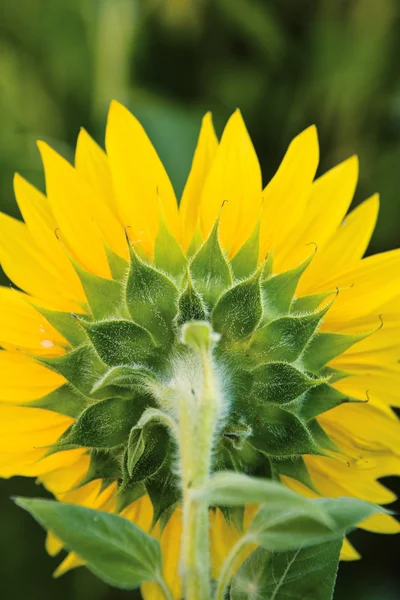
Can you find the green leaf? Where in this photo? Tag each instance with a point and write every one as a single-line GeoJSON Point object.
{"type": "Point", "coordinates": [310, 303]}
{"type": "Point", "coordinates": [129, 494]}
{"type": "Point", "coordinates": [65, 323]}
{"type": "Point", "coordinates": [285, 338]}
{"type": "Point", "coordinates": [146, 451]}
{"type": "Point", "coordinates": [106, 424]}
{"type": "Point", "coordinates": [118, 265]}
{"type": "Point", "coordinates": [246, 260]}
{"type": "Point", "coordinates": [81, 367]}
{"type": "Point", "coordinates": [234, 454]}
{"type": "Point", "coordinates": [280, 383]}
{"type": "Point", "coordinates": [163, 491]}
{"type": "Point", "coordinates": [196, 242]}
{"type": "Point", "coordinates": [135, 449]}
{"type": "Point", "coordinates": [148, 445]}
{"type": "Point", "coordinates": [278, 290]}
{"type": "Point", "coordinates": [168, 253]}
{"type": "Point", "coordinates": [237, 433]}
{"type": "Point", "coordinates": [293, 467]}
{"type": "Point", "coordinates": [321, 437]}
{"type": "Point", "coordinates": [119, 342]}
{"type": "Point", "coordinates": [227, 488]}
{"type": "Point", "coordinates": [151, 298]}
{"type": "Point", "coordinates": [268, 266]}
{"type": "Point", "coordinates": [281, 434]}
{"type": "Point", "coordinates": [239, 310]}
{"type": "Point", "coordinates": [303, 574]}
{"type": "Point", "coordinates": [103, 465]}
{"type": "Point", "coordinates": [326, 346]}
{"type": "Point", "coordinates": [234, 515]}
{"type": "Point", "coordinates": [104, 296]}
{"type": "Point", "coordinates": [282, 528]}
{"type": "Point", "coordinates": [320, 399]}
{"type": "Point", "coordinates": [115, 549]}
{"type": "Point", "coordinates": [125, 376]}
{"type": "Point", "coordinates": [64, 400]}
{"type": "Point", "coordinates": [191, 306]}
{"type": "Point", "coordinates": [210, 270]}
{"type": "Point", "coordinates": [347, 513]}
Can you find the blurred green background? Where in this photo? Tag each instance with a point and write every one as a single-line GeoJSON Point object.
{"type": "Point", "coordinates": [286, 64]}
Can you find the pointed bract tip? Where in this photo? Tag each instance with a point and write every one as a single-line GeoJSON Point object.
{"type": "Point", "coordinates": [128, 239]}
{"type": "Point", "coordinates": [315, 246]}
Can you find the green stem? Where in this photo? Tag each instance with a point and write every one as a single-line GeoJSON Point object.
{"type": "Point", "coordinates": [228, 568]}
{"type": "Point", "coordinates": [198, 417]}
{"type": "Point", "coordinates": [164, 588]}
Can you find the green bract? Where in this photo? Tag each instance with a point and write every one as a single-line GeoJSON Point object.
{"type": "Point", "coordinates": [130, 349]}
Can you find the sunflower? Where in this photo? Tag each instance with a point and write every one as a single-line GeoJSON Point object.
{"type": "Point", "coordinates": [308, 356]}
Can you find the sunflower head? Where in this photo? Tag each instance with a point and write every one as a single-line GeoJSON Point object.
{"type": "Point", "coordinates": [131, 348]}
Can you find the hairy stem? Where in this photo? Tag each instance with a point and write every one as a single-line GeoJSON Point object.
{"type": "Point", "coordinates": [198, 417]}
{"type": "Point", "coordinates": [228, 568]}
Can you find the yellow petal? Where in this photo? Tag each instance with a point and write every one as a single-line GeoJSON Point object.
{"type": "Point", "coordinates": [91, 162]}
{"type": "Point", "coordinates": [381, 348]}
{"type": "Point", "coordinates": [298, 487]}
{"type": "Point", "coordinates": [28, 430]}
{"type": "Point", "coordinates": [21, 326]}
{"type": "Point", "coordinates": [345, 248]}
{"type": "Point", "coordinates": [363, 288]}
{"type": "Point", "coordinates": [92, 496]}
{"type": "Point", "coordinates": [53, 544]}
{"type": "Point", "coordinates": [334, 478]}
{"type": "Point", "coordinates": [139, 178]}
{"type": "Point", "coordinates": [78, 210]}
{"type": "Point", "coordinates": [38, 216]}
{"type": "Point", "coordinates": [222, 538]}
{"type": "Point", "coordinates": [202, 161]}
{"type": "Point", "coordinates": [72, 561]}
{"type": "Point", "coordinates": [25, 264]}
{"type": "Point", "coordinates": [370, 427]}
{"type": "Point", "coordinates": [234, 177]}
{"type": "Point", "coordinates": [140, 512]}
{"type": "Point", "coordinates": [326, 207]}
{"type": "Point", "coordinates": [285, 197]}
{"type": "Point", "coordinates": [37, 381]}
{"type": "Point", "coordinates": [64, 477]}
{"type": "Point", "coordinates": [389, 315]}
{"type": "Point", "coordinates": [170, 547]}
{"type": "Point", "coordinates": [381, 524]}
{"type": "Point", "coordinates": [33, 463]}
{"type": "Point", "coordinates": [378, 383]}
{"type": "Point", "coordinates": [348, 551]}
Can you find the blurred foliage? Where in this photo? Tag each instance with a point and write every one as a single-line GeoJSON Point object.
{"type": "Point", "coordinates": [286, 64]}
